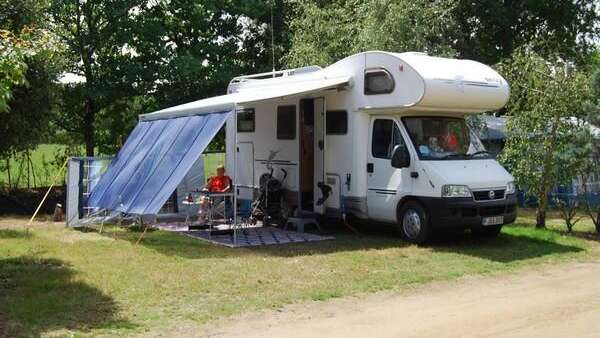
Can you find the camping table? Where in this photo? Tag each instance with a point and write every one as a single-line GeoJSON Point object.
{"type": "Point", "coordinates": [212, 196]}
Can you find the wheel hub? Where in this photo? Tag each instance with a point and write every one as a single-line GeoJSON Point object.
{"type": "Point", "coordinates": [411, 223]}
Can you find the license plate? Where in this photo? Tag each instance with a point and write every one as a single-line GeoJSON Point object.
{"type": "Point", "coordinates": [495, 220]}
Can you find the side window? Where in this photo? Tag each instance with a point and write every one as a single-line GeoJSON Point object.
{"type": "Point", "coordinates": [378, 81]}
{"type": "Point", "coordinates": [286, 122]}
{"type": "Point", "coordinates": [337, 122]}
{"type": "Point", "coordinates": [386, 136]}
{"type": "Point", "coordinates": [245, 120]}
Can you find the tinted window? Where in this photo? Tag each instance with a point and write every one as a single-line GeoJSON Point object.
{"type": "Point", "coordinates": [337, 122]}
{"type": "Point", "coordinates": [245, 120]}
{"type": "Point", "coordinates": [286, 122]}
{"type": "Point", "coordinates": [378, 81]}
{"type": "Point", "coordinates": [386, 136]}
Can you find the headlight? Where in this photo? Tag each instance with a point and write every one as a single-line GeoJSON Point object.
{"type": "Point", "coordinates": [510, 188]}
{"type": "Point", "coordinates": [456, 191]}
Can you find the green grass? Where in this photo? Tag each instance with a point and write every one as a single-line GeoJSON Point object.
{"type": "Point", "coordinates": [44, 168]}
{"type": "Point", "coordinates": [57, 281]}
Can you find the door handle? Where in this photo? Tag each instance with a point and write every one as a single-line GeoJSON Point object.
{"type": "Point", "coordinates": [321, 144]}
{"type": "Point", "coordinates": [370, 168]}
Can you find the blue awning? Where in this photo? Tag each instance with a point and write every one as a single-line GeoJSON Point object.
{"type": "Point", "coordinates": [153, 161]}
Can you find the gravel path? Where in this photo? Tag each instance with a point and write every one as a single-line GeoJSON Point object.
{"type": "Point", "coordinates": [559, 301]}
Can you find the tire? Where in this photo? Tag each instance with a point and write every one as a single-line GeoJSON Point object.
{"type": "Point", "coordinates": [413, 223]}
{"type": "Point", "coordinates": [487, 232]}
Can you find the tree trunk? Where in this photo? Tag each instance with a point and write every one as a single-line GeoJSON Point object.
{"type": "Point", "coordinates": [506, 34]}
{"type": "Point", "coordinates": [540, 219]}
{"type": "Point", "coordinates": [598, 223]}
{"type": "Point", "coordinates": [88, 127]}
{"type": "Point", "coordinates": [8, 172]}
{"type": "Point", "coordinates": [540, 215]}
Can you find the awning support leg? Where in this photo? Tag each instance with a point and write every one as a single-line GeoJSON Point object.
{"type": "Point", "coordinates": [143, 232]}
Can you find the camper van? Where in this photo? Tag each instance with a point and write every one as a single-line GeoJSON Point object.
{"type": "Point", "coordinates": [378, 135]}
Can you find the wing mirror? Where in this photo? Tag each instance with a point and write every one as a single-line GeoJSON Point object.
{"type": "Point", "coordinates": [400, 157]}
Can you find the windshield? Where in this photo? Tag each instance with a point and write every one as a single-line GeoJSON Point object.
{"type": "Point", "coordinates": [443, 138]}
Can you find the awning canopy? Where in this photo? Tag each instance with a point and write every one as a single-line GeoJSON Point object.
{"type": "Point", "coordinates": [153, 161]}
{"type": "Point", "coordinates": [229, 101]}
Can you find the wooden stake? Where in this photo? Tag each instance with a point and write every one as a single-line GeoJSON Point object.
{"type": "Point", "coordinates": [48, 192]}
{"type": "Point", "coordinates": [143, 233]}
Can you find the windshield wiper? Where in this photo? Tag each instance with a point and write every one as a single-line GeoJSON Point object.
{"type": "Point", "coordinates": [480, 152]}
{"type": "Point", "coordinates": [449, 156]}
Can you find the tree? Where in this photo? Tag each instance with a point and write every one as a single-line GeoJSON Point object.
{"type": "Point", "coordinates": [546, 137]}
{"type": "Point", "coordinates": [29, 63]}
{"type": "Point", "coordinates": [328, 31]}
{"type": "Point", "coordinates": [191, 49]}
{"type": "Point", "coordinates": [490, 30]}
{"type": "Point", "coordinates": [96, 33]}
{"type": "Point", "coordinates": [590, 167]}
{"type": "Point", "coordinates": [138, 56]}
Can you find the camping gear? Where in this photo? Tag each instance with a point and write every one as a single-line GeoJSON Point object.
{"type": "Point", "coordinates": [270, 206]}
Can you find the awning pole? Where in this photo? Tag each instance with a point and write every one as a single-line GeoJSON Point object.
{"type": "Point", "coordinates": [235, 150]}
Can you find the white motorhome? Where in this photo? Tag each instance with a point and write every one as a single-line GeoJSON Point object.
{"type": "Point", "coordinates": [376, 135]}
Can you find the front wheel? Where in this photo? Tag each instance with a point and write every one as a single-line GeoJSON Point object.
{"type": "Point", "coordinates": [413, 223]}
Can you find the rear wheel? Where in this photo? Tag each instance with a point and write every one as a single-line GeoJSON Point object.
{"type": "Point", "coordinates": [413, 223]}
{"type": "Point", "coordinates": [487, 231]}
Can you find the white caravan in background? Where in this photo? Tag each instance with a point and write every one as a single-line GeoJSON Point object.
{"type": "Point", "coordinates": [376, 135]}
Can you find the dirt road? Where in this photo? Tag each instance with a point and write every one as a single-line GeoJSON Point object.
{"type": "Point", "coordinates": [562, 301]}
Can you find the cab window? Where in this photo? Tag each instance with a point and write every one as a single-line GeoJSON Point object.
{"type": "Point", "coordinates": [386, 136]}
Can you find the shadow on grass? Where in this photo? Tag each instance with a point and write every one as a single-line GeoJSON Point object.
{"type": "Point", "coordinates": [507, 247]}
{"type": "Point", "coordinates": [510, 246]}
{"type": "Point", "coordinates": [586, 235]}
{"type": "Point", "coordinates": [14, 234]}
{"type": "Point", "coordinates": [40, 295]}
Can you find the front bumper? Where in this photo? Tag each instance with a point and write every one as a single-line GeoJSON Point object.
{"type": "Point", "coordinates": [456, 213]}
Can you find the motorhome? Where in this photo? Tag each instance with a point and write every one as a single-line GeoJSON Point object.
{"type": "Point", "coordinates": [377, 135]}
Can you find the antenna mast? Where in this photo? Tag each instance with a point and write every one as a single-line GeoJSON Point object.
{"type": "Point", "coordinates": [272, 38]}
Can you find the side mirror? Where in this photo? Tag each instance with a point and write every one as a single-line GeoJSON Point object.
{"type": "Point", "coordinates": [400, 157]}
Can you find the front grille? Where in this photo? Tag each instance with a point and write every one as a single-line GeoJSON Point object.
{"type": "Point", "coordinates": [484, 195]}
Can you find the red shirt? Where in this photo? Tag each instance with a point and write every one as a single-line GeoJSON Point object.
{"type": "Point", "coordinates": [218, 183]}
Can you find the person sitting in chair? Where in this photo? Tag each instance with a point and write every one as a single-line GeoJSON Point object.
{"type": "Point", "coordinates": [220, 183]}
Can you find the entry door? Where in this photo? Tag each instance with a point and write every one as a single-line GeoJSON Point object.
{"type": "Point", "coordinates": [319, 162]}
{"type": "Point", "coordinates": [385, 183]}
{"type": "Point", "coordinates": [245, 170]}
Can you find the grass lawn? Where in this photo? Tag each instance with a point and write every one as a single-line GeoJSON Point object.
{"type": "Point", "coordinates": [57, 281]}
{"type": "Point", "coordinates": [43, 167]}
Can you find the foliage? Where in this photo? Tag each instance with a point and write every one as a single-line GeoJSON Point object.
{"type": "Point", "coordinates": [490, 30]}
{"type": "Point", "coordinates": [18, 39]}
{"type": "Point", "coordinates": [96, 33]}
{"type": "Point", "coordinates": [12, 66]}
{"type": "Point", "coordinates": [29, 63]}
{"type": "Point", "coordinates": [568, 211]}
{"type": "Point", "coordinates": [140, 55]}
{"type": "Point", "coordinates": [590, 169]}
{"type": "Point", "coordinates": [324, 33]}
{"type": "Point", "coordinates": [590, 172]}
{"type": "Point", "coordinates": [547, 135]}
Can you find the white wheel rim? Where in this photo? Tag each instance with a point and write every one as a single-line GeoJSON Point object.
{"type": "Point", "coordinates": [411, 223]}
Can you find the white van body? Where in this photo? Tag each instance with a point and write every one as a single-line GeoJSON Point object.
{"type": "Point", "coordinates": [425, 92]}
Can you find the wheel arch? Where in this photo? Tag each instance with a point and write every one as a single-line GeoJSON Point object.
{"type": "Point", "coordinates": [405, 200]}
